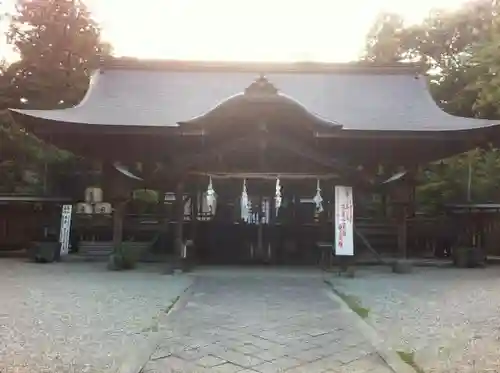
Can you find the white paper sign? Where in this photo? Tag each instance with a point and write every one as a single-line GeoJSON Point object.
{"type": "Point", "coordinates": [64, 232]}
{"type": "Point", "coordinates": [344, 220]}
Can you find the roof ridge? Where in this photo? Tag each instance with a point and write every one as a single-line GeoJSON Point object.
{"type": "Point", "coordinates": [131, 63]}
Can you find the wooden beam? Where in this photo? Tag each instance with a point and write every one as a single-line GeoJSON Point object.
{"type": "Point", "coordinates": [309, 153]}
{"type": "Point", "coordinates": [196, 164]}
{"type": "Point", "coordinates": [184, 163]}
{"type": "Point", "coordinates": [264, 175]}
{"type": "Point", "coordinates": [287, 144]}
{"type": "Point", "coordinates": [304, 151]}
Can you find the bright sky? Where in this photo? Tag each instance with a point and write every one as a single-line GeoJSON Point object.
{"type": "Point", "coordinates": [320, 30]}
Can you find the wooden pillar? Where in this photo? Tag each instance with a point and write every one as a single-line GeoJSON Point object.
{"type": "Point", "coordinates": [117, 189]}
{"type": "Point", "coordinates": [118, 217]}
{"type": "Point", "coordinates": [330, 219]}
{"type": "Point", "coordinates": [271, 240]}
{"type": "Point", "coordinates": [195, 208]}
{"type": "Point", "coordinates": [383, 200]}
{"type": "Point", "coordinates": [412, 186]}
{"type": "Point", "coordinates": [401, 218]}
{"type": "Point", "coordinates": [324, 231]}
{"type": "Point", "coordinates": [403, 197]}
{"type": "Point", "coordinates": [402, 231]}
{"type": "Point", "coordinates": [163, 211]}
{"type": "Point", "coordinates": [179, 219]}
{"type": "Point", "coordinates": [260, 233]}
{"type": "Point", "coordinates": [193, 254]}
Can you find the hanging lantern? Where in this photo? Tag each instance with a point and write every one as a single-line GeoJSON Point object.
{"type": "Point", "coordinates": [246, 207]}
{"type": "Point", "coordinates": [211, 197]}
{"type": "Point", "coordinates": [318, 200]}
{"type": "Point", "coordinates": [278, 198]}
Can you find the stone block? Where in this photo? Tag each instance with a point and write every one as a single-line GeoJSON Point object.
{"type": "Point", "coordinates": [44, 252]}
{"type": "Point", "coordinates": [169, 269]}
{"type": "Point", "coordinates": [469, 257]}
{"type": "Point", "coordinates": [402, 266]}
{"type": "Point", "coordinates": [350, 272]}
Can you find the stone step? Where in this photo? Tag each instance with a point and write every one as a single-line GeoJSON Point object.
{"type": "Point", "coordinates": [105, 248]}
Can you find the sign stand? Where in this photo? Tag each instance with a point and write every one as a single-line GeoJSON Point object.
{"type": "Point", "coordinates": [344, 221]}
{"type": "Point", "coordinates": [65, 230]}
{"type": "Point", "coordinates": [344, 227]}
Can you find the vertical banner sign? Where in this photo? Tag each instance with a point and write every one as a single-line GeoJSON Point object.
{"type": "Point", "coordinates": [65, 228]}
{"type": "Point", "coordinates": [344, 220]}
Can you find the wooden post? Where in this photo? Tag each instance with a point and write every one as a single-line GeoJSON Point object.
{"type": "Point", "coordinates": [402, 232]}
{"type": "Point", "coordinates": [408, 208]}
{"type": "Point", "coordinates": [324, 228]}
{"type": "Point", "coordinates": [401, 216]}
{"type": "Point", "coordinates": [118, 189]}
{"type": "Point", "coordinates": [164, 218]}
{"type": "Point", "coordinates": [194, 226]}
{"type": "Point", "coordinates": [118, 217]}
{"type": "Point", "coordinates": [260, 233]}
{"type": "Point", "coordinates": [383, 200]}
{"type": "Point", "coordinates": [271, 229]}
{"type": "Point", "coordinates": [179, 219]}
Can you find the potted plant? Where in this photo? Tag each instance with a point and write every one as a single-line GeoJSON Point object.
{"type": "Point", "coordinates": [468, 257]}
{"type": "Point", "coordinates": [47, 250]}
{"type": "Point", "coordinates": [124, 257]}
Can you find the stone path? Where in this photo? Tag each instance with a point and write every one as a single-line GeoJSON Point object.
{"type": "Point", "coordinates": [78, 317]}
{"type": "Point", "coordinates": [449, 317]}
{"type": "Point", "coordinates": [262, 324]}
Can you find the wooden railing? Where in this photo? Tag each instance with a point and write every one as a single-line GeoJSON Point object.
{"type": "Point", "coordinates": [381, 234]}
{"type": "Point", "coordinates": [426, 236]}
{"type": "Point", "coordinates": [429, 236]}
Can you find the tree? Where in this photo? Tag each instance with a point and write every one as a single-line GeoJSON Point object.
{"type": "Point", "coordinates": [446, 43]}
{"type": "Point", "coordinates": [442, 41]}
{"type": "Point", "coordinates": [486, 63]}
{"type": "Point", "coordinates": [59, 44]}
{"type": "Point", "coordinates": [24, 159]}
{"type": "Point", "coordinates": [460, 51]}
{"type": "Point", "coordinates": [384, 40]}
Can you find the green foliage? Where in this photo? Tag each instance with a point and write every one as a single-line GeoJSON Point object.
{"type": "Point", "coordinates": [383, 42]}
{"type": "Point", "coordinates": [459, 49]}
{"type": "Point", "coordinates": [24, 159]}
{"type": "Point", "coordinates": [59, 44]}
{"type": "Point", "coordinates": [145, 201]}
{"type": "Point", "coordinates": [353, 302]}
{"type": "Point", "coordinates": [409, 358]}
{"type": "Point", "coordinates": [146, 196]}
{"type": "Point", "coordinates": [472, 177]}
{"type": "Point", "coordinates": [487, 64]}
{"type": "Point", "coordinates": [457, 46]}
{"type": "Point", "coordinates": [124, 257]}
{"type": "Point", "coordinates": [441, 41]}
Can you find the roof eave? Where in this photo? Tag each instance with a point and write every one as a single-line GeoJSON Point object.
{"type": "Point", "coordinates": [254, 109]}
{"type": "Point", "coordinates": [362, 67]}
{"type": "Point", "coordinates": [437, 134]}
{"type": "Point", "coordinates": [45, 124]}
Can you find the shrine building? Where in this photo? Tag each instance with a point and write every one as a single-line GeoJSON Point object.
{"type": "Point", "coordinates": [239, 130]}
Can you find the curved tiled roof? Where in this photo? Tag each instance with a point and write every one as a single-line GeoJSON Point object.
{"type": "Point", "coordinates": [354, 96]}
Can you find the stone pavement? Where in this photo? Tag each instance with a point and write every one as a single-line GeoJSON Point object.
{"type": "Point", "coordinates": [262, 324]}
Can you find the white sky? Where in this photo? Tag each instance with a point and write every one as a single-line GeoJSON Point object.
{"type": "Point", "coordinates": [321, 30]}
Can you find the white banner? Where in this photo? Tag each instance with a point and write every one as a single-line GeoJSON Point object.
{"type": "Point", "coordinates": [64, 232]}
{"type": "Point", "coordinates": [344, 221]}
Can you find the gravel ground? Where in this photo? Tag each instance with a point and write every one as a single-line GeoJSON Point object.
{"type": "Point", "coordinates": [77, 317]}
{"type": "Point", "coordinates": [449, 317]}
